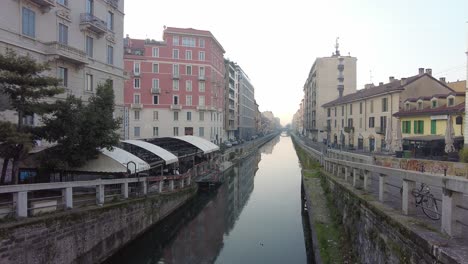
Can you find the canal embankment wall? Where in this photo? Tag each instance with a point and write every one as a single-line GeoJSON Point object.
{"type": "Point", "coordinates": [381, 234]}
{"type": "Point", "coordinates": [86, 236]}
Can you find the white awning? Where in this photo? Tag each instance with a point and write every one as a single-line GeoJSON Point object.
{"type": "Point", "coordinates": [114, 161]}
{"type": "Point", "coordinates": [203, 144]}
{"type": "Point", "coordinates": [167, 156]}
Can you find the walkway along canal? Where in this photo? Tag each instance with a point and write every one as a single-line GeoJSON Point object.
{"type": "Point", "coordinates": [253, 217]}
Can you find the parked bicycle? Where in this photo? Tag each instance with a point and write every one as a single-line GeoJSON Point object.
{"type": "Point", "coordinates": [425, 199]}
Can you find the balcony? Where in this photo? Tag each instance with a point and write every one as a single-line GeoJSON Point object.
{"type": "Point", "coordinates": [175, 76]}
{"type": "Point", "coordinates": [231, 96]}
{"type": "Point", "coordinates": [380, 130]}
{"type": "Point", "coordinates": [232, 107]}
{"type": "Point", "coordinates": [136, 106]}
{"type": "Point", "coordinates": [231, 117]}
{"type": "Point", "coordinates": [176, 107]}
{"type": "Point", "coordinates": [325, 128]}
{"type": "Point", "coordinates": [349, 129]}
{"type": "Point", "coordinates": [201, 78]}
{"type": "Point", "coordinates": [155, 90]}
{"type": "Point", "coordinates": [113, 3]}
{"type": "Point", "coordinates": [66, 53]}
{"type": "Point", "coordinates": [92, 23]}
{"type": "Point", "coordinates": [201, 108]}
{"type": "Point", "coordinates": [340, 67]}
{"type": "Point", "coordinates": [211, 108]}
{"type": "Point", "coordinates": [136, 73]}
{"type": "Point", "coordinates": [45, 5]}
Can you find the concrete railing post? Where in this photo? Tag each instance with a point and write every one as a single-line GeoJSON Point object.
{"type": "Point", "coordinates": [21, 199]}
{"type": "Point", "coordinates": [67, 195]}
{"type": "Point", "coordinates": [450, 213]}
{"type": "Point", "coordinates": [355, 177]}
{"type": "Point", "coordinates": [382, 187]}
{"type": "Point", "coordinates": [100, 194]}
{"type": "Point", "coordinates": [161, 185]}
{"type": "Point", "coordinates": [125, 190]}
{"type": "Point", "coordinates": [346, 173]}
{"type": "Point", "coordinates": [181, 183]}
{"type": "Point", "coordinates": [171, 185]}
{"type": "Point", "coordinates": [144, 187]}
{"type": "Point", "coordinates": [189, 180]}
{"type": "Point", "coordinates": [407, 198]}
{"type": "Point", "coordinates": [367, 179]}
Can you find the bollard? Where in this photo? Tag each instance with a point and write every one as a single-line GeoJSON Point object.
{"type": "Point", "coordinates": [382, 187]}
{"type": "Point", "coordinates": [407, 199]}
{"type": "Point", "coordinates": [450, 213]}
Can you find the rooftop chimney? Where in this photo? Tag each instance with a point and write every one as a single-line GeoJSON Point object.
{"type": "Point", "coordinates": [429, 71]}
{"type": "Point", "coordinates": [380, 83]}
{"type": "Point", "coordinates": [442, 79]}
{"type": "Point", "coordinates": [421, 71]}
{"type": "Point", "coordinates": [369, 85]}
{"type": "Point", "coordinates": [391, 78]}
{"type": "Point", "coordinates": [403, 81]}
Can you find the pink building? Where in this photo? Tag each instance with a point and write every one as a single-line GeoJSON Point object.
{"type": "Point", "coordinates": [176, 86]}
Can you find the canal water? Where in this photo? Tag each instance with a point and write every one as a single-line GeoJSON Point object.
{"type": "Point", "coordinates": [253, 217]}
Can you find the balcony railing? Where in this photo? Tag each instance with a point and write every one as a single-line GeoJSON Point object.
{"type": "Point", "coordinates": [201, 78]}
{"type": "Point", "coordinates": [155, 90]}
{"type": "Point", "coordinates": [176, 107]}
{"type": "Point", "coordinates": [380, 130]}
{"type": "Point", "coordinates": [231, 96]}
{"type": "Point", "coordinates": [45, 5]}
{"type": "Point", "coordinates": [92, 23]}
{"type": "Point", "coordinates": [349, 129]}
{"type": "Point", "coordinates": [136, 106]}
{"type": "Point", "coordinates": [232, 107]}
{"type": "Point", "coordinates": [136, 73]}
{"type": "Point", "coordinates": [113, 3]}
{"type": "Point", "coordinates": [175, 76]}
{"type": "Point", "coordinates": [65, 52]}
{"type": "Point", "coordinates": [201, 108]}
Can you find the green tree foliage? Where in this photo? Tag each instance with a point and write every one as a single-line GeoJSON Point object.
{"type": "Point", "coordinates": [81, 130]}
{"type": "Point", "coordinates": [22, 82]}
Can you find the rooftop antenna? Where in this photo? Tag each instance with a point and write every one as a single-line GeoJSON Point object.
{"type": "Point", "coordinates": [370, 76]}
{"type": "Point", "coordinates": [337, 46]}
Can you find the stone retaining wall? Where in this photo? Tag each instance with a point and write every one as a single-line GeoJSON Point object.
{"type": "Point", "coordinates": [85, 236]}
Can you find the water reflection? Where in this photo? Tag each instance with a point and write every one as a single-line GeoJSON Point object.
{"type": "Point", "coordinates": [213, 227]}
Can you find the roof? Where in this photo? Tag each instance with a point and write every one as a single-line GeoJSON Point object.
{"type": "Point", "coordinates": [373, 91]}
{"type": "Point", "coordinates": [429, 138]}
{"type": "Point", "coordinates": [442, 110]}
{"type": "Point", "coordinates": [193, 32]}
{"type": "Point", "coordinates": [115, 161]}
{"type": "Point", "coordinates": [167, 156]}
{"type": "Point", "coordinates": [203, 144]}
{"type": "Point", "coordinates": [458, 86]}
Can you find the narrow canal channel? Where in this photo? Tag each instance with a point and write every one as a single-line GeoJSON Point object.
{"type": "Point", "coordinates": [254, 217]}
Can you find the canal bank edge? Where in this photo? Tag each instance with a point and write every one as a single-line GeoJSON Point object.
{"type": "Point", "coordinates": [86, 236]}
{"type": "Point", "coordinates": [376, 228]}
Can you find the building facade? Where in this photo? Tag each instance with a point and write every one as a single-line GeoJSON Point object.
{"type": "Point", "coordinates": [176, 86]}
{"type": "Point", "coordinates": [231, 98]}
{"type": "Point", "coordinates": [246, 106]}
{"type": "Point", "coordinates": [360, 120]}
{"type": "Point", "coordinates": [329, 78]}
{"type": "Point", "coordinates": [81, 41]}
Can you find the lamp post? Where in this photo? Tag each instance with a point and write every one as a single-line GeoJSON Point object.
{"type": "Point", "coordinates": [134, 165]}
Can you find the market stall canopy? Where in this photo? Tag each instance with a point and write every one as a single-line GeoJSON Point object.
{"type": "Point", "coordinates": [167, 156]}
{"type": "Point", "coordinates": [114, 161]}
{"type": "Point", "coordinates": [203, 144]}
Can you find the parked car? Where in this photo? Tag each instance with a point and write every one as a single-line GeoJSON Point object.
{"type": "Point", "coordinates": [235, 142]}
{"type": "Point", "coordinates": [228, 144]}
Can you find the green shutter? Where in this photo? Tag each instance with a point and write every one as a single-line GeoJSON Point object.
{"type": "Point", "coordinates": [408, 130]}
{"type": "Point", "coordinates": [415, 129]}
{"type": "Point", "coordinates": [433, 127]}
{"type": "Point", "coordinates": [421, 127]}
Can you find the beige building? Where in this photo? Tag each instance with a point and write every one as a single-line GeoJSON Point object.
{"type": "Point", "coordinates": [329, 79]}
{"type": "Point", "coordinates": [231, 100]}
{"type": "Point", "coordinates": [81, 40]}
{"type": "Point", "coordinates": [359, 120]}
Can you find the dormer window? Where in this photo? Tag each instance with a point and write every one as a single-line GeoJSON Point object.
{"type": "Point", "coordinates": [420, 105]}
{"type": "Point", "coordinates": [434, 103]}
{"type": "Point", "coordinates": [407, 106]}
{"type": "Point", "coordinates": [450, 101]}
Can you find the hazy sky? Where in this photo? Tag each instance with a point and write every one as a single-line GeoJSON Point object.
{"type": "Point", "coordinates": [276, 42]}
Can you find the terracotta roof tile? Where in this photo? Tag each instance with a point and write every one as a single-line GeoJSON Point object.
{"type": "Point", "coordinates": [460, 108]}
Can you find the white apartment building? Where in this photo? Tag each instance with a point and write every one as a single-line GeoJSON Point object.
{"type": "Point", "coordinates": [231, 100]}
{"type": "Point", "coordinates": [329, 78]}
{"type": "Point", "coordinates": [81, 40]}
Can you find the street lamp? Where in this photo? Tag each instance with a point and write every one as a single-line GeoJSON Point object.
{"type": "Point", "coordinates": [134, 165]}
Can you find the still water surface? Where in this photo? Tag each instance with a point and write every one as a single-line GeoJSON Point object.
{"type": "Point", "coordinates": [254, 217]}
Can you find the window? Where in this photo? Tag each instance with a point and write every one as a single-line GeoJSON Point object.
{"type": "Point", "coordinates": [384, 104]}
{"type": "Point", "coordinates": [350, 122]}
{"type": "Point", "coordinates": [90, 6]}
{"type": "Point", "coordinates": [201, 116]}
{"type": "Point", "coordinates": [63, 34]}
{"type": "Point", "coordinates": [201, 87]}
{"type": "Point", "coordinates": [360, 122]}
{"type": "Point", "coordinates": [420, 105]}
{"type": "Point", "coordinates": [89, 82]}
{"type": "Point", "coordinates": [201, 43]}
{"type": "Point", "coordinates": [188, 41]}
{"type": "Point", "coordinates": [155, 83]}
{"type": "Point", "coordinates": [188, 54]}
{"type": "Point", "coordinates": [188, 85]}
{"type": "Point", "coordinates": [328, 112]}
{"type": "Point", "coordinates": [155, 131]}
{"type": "Point", "coordinates": [136, 98]}
{"type": "Point", "coordinates": [451, 101]}
{"type": "Point", "coordinates": [335, 122]}
{"type": "Point", "coordinates": [433, 127]}
{"type": "Point", "coordinates": [175, 40]}
{"type": "Point", "coordinates": [155, 68]}
{"type": "Point", "coordinates": [351, 109]}
{"type": "Point", "coordinates": [136, 83]}
{"type": "Point", "coordinates": [62, 74]}
{"type": "Point", "coordinates": [155, 99]}
{"type": "Point", "coordinates": [201, 55]}
{"type": "Point", "coordinates": [137, 115]}
{"type": "Point", "coordinates": [175, 100]}
{"type": "Point", "coordinates": [176, 116]}
{"type": "Point", "coordinates": [175, 85]}
{"type": "Point", "coordinates": [406, 127]}
{"type": "Point", "coordinates": [136, 131]}
{"type": "Point", "coordinates": [189, 116]}
{"type": "Point", "coordinates": [201, 100]}
{"type": "Point", "coordinates": [176, 131]}
{"type": "Point", "coordinates": [89, 46]}
{"type": "Point", "coordinates": [110, 55]}
{"type": "Point", "coordinates": [371, 121]}
{"type": "Point", "coordinates": [63, 2]}
{"type": "Point", "coordinates": [188, 100]}
{"type": "Point", "coordinates": [335, 111]}
{"type": "Point", "coordinates": [342, 122]}
{"type": "Point", "coordinates": [434, 103]}
{"type": "Point", "coordinates": [188, 70]}
{"type": "Point", "coordinates": [175, 70]}
{"type": "Point", "coordinates": [383, 123]}
{"type": "Point", "coordinates": [360, 108]}
{"type": "Point", "coordinates": [155, 115]}
{"type": "Point", "coordinates": [110, 21]}
{"type": "Point", "coordinates": [407, 106]}
{"type": "Point", "coordinates": [201, 131]}
{"type": "Point", "coordinates": [342, 110]}
{"type": "Point", "coordinates": [372, 106]}
{"type": "Point", "coordinates": [201, 72]}
{"type": "Point", "coordinates": [155, 52]}
{"type": "Point", "coordinates": [418, 127]}
{"type": "Point", "coordinates": [29, 22]}
{"type": "Point", "coordinates": [175, 54]}
{"type": "Point", "coordinates": [136, 68]}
